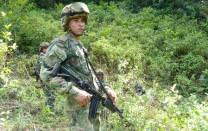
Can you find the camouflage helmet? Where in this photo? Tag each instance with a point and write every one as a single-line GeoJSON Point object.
{"type": "Point", "coordinates": [73, 10]}
{"type": "Point", "coordinates": [43, 45]}
{"type": "Point", "coordinates": [99, 72]}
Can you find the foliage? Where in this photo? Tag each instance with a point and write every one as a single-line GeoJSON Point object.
{"type": "Point", "coordinates": [137, 41]}
{"type": "Point", "coordinates": [193, 8]}
{"type": "Point", "coordinates": [158, 110]}
{"type": "Point", "coordinates": [31, 37]}
{"type": "Point", "coordinates": [166, 52]}
{"type": "Point", "coordinates": [7, 48]}
{"type": "Point", "coordinates": [30, 27]}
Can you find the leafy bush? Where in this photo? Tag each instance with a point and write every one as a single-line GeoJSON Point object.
{"type": "Point", "coordinates": [30, 37]}
{"type": "Point", "coordinates": [167, 53]}
{"type": "Point", "coordinates": [158, 110]}
{"type": "Point", "coordinates": [30, 27]}
{"type": "Point", "coordinates": [7, 48]}
{"type": "Point", "coordinates": [159, 46]}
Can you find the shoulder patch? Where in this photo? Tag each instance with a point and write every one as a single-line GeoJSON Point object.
{"type": "Point", "coordinates": [63, 38]}
{"type": "Point", "coordinates": [59, 42]}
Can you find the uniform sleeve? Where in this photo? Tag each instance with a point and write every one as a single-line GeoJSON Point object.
{"type": "Point", "coordinates": [57, 54]}
{"type": "Point", "coordinates": [62, 86]}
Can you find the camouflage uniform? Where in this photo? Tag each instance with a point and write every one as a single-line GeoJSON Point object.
{"type": "Point", "coordinates": [103, 112]}
{"type": "Point", "coordinates": [42, 48]}
{"type": "Point", "coordinates": [50, 96]}
{"type": "Point", "coordinates": [69, 52]}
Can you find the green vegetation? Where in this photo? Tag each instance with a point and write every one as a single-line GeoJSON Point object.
{"type": "Point", "coordinates": [160, 44]}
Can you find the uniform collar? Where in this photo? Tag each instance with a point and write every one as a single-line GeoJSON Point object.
{"type": "Point", "coordinates": [72, 37]}
{"type": "Point", "coordinates": [78, 42]}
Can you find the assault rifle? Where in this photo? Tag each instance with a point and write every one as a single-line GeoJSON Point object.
{"type": "Point", "coordinates": [97, 97]}
{"type": "Point", "coordinates": [60, 70]}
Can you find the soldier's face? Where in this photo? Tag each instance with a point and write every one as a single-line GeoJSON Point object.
{"type": "Point", "coordinates": [100, 77]}
{"type": "Point", "coordinates": [77, 26]}
{"type": "Point", "coordinates": [44, 50]}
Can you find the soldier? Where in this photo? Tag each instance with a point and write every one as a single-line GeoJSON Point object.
{"type": "Point", "coordinates": [50, 96]}
{"type": "Point", "coordinates": [42, 51]}
{"type": "Point", "coordinates": [101, 77]}
{"type": "Point", "coordinates": [68, 51]}
{"type": "Point", "coordinates": [103, 112]}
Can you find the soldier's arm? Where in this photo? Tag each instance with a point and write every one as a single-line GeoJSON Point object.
{"type": "Point", "coordinates": [56, 55]}
{"type": "Point", "coordinates": [80, 96]}
{"type": "Point", "coordinates": [106, 85]}
{"type": "Point", "coordinates": [110, 91]}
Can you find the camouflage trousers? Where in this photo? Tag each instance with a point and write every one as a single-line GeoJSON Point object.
{"type": "Point", "coordinates": [50, 97]}
{"type": "Point", "coordinates": [79, 118]}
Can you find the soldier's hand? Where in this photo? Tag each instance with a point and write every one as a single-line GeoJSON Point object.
{"type": "Point", "coordinates": [83, 98]}
{"type": "Point", "coordinates": [112, 95]}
